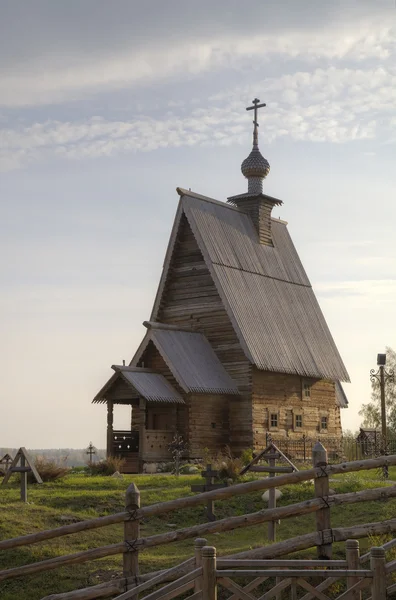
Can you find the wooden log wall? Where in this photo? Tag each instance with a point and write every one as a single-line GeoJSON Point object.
{"type": "Point", "coordinates": [191, 299]}
{"type": "Point", "coordinates": [283, 394]}
{"type": "Point", "coordinates": [208, 423]}
{"type": "Point", "coordinates": [152, 359]}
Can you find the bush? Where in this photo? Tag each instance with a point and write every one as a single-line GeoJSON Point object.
{"type": "Point", "coordinates": [227, 465]}
{"type": "Point", "coordinates": [108, 466]}
{"type": "Point", "coordinates": [247, 456]}
{"type": "Point", "coordinates": [49, 470]}
{"type": "Point", "coordinates": [188, 469]}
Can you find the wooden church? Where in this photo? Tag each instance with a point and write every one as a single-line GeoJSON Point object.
{"type": "Point", "coordinates": [236, 346]}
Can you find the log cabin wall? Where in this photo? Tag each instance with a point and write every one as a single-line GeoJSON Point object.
{"type": "Point", "coordinates": [120, 391]}
{"type": "Point", "coordinates": [191, 299]}
{"type": "Point", "coordinates": [299, 410]}
{"type": "Point", "coordinates": [209, 424]}
{"type": "Point", "coordinates": [152, 359]}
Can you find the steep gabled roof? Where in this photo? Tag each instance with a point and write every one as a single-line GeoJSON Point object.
{"type": "Point", "coordinates": [191, 359]}
{"type": "Point", "coordinates": [265, 290]}
{"type": "Point", "coordinates": [341, 396]}
{"type": "Point", "coordinates": [143, 382]}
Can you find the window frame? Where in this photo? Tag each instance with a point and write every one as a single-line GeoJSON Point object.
{"type": "Point", "coordinates": [306, 389]}
{"type": "Point", "coordinates": [321, 423]}
{"type": "Point", "coordinates": [298, 416]}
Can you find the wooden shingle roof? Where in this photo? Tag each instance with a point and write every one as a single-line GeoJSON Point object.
{"type": "Point", "coordinates": [191, 359]}
{"type": "Point", "coordinates": [265, 290]}
{"type": "Point", "coordinates": [143, 382]}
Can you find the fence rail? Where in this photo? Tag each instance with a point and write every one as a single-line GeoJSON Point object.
{"type": "Point", "coordinates": [133, 542]}
{"type": "Point", "coordinates": [210, 573]}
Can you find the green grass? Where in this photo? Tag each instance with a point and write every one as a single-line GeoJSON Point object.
{"type": "Point", "coordinates": [85, 497]}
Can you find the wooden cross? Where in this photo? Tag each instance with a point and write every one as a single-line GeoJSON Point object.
{"type": "Point", "coordinates": [26, 465]}
{"type": "Point", "coordinates": [209, 475]}
{"type": "Point", "coordinates": [91, 451]}
{"type": "Point", "coordinates": [255, 107]}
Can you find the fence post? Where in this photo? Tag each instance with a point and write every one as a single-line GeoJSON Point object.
{"type": "Point", "coordinates": [378, 567]}
{"type": "Point", "coordinates": [131, 532]}
{"type": "Point", "coordinates": [271, 504]}
{"type": "Point", "coordinates": [319, 459]}
{"type": "Point", "coordinates": [209, 585]}
{"type": "Point", "coordinates": [352, 558]}
{"type": "Point", "coordinates": [198, 545]}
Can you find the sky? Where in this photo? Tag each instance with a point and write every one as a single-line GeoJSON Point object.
{"type": "Point", "coordinates": [107, 107]}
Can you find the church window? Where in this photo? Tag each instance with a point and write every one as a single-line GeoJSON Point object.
{"type": "Point", "coordinates": [274, 419]}
{"type": "Point", "coordinates": [306, 389]}
{"type": "Point", "coordinates": [323, 422]}
{"type": "Point", "coordinates": [213, 425]}
{"type": "Point", "coordinates": [299, 421]}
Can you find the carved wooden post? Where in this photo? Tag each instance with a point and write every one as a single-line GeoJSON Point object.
{"type": "Point", "coordinates": [131, 532]}
{"type": "Point", "coordinates": [319, 459]}
{"type": "Point", "coordinates": [23, 479]}
{"type": "Point", "coordinates": [352, 558]}
{"type": "Point", "coordinates": [378, 567]}
{"type": "Point", "coordinates": [110, 418]}
{"type": "Point", "coordinates": [209, 586]}
{"type": "Point", "coordinates": [142, 432]}
{"type": "Point", "coordinates": [198, 545]}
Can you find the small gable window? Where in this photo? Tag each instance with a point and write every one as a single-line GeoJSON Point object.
{"type": "Point", "coordinates": [299, 421]}
{"type": "Point", "coordinates": [306, 391]}
{"type": "Point", "coordinates": [274, 419]}
{"type": "Point", "coordinates": [323, 422]}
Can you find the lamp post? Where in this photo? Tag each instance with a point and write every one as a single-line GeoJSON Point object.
{"type": "Point", "coordinates": [382, 376]}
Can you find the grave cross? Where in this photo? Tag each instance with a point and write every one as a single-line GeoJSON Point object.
{"type": "Point", "coordinates": [26, 465]}
{"type": "Point", "coordinates": [209, 475]}
{"type": "Point", "coordinates": [255, 107]}
{"type": "Point", "coordinates": [91, 451]}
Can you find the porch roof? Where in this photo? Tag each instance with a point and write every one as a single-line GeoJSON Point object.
{"type": "Point", "coordinates": [143, 382]}
{"type": "Point", "coordinates": [190, 357]}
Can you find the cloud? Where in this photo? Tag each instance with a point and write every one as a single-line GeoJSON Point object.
{"type": "Point", "coordinates": [325, 105]}
{"type": "Point", "coordinates": [68, 75]}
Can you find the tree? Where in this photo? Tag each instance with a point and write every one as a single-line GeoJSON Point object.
{"type": "Point", "coordinates": [371, 412]}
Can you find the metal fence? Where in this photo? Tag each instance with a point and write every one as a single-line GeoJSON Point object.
{"type": "Point", "coordinates": [338, 448]}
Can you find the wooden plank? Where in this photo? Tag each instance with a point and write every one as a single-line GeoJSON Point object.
{"type": "Point", "coordinates": [227, 524]}
{"type": "Point", "coordinates": [170, 587]}
{"type": "Point", "coordinates": [272, 502]}
{"type": "Point", "coordinates": [313, 590]}
{"type": "Point", "coordinates": [236, 589]}
{"type": "Point", "coordinates": [252, 585]}
{"type": "Point", "coordinates": [360, 585]}
{"type": "Point", "coordinates": [224, 563]}
{"type": "Point", "coordinates": [131, 532]}
{"type": "Point", "coordinates": [364, 573]}
{"type": "Point", "coordinates": [13, 464]}
{"type": "Point", "coordinates": [271, 469]}
{"type": "Point", "coordinates": [23, 479]}
{"type": "Point", "coordinates": [319, 459]}
{"type": "Point", "coordinates": [30, 462]}
{"type": "Point", "coordinates": [209, 583]}
{"type": "Point", "coordinates": [324, 585]}
{"type": "Point", "coordinates": [21, 469]}
{"type": "Point", "coordinates": [285, 583]}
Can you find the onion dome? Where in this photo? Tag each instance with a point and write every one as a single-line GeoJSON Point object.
{"type": "Point", "coordinates": [255, 165]}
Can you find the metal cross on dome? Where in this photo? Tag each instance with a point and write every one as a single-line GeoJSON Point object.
{"type": "Point", "coordinates": [255, 107]}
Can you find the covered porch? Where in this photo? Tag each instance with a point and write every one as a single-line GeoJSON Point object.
{"type": "Point", "coordinates": [154, 415]}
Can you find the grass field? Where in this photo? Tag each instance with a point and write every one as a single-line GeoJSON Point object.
{"type": "Point", "coordinates": [83, 497]}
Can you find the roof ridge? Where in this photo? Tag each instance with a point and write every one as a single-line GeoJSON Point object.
{"type": "Point", "coordinates": [182, 192]}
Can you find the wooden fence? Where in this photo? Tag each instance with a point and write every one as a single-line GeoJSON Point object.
{"type": "Point", "coordinates": [133, 543]}
{"type": "Point", "coordinates": [207, 573]}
